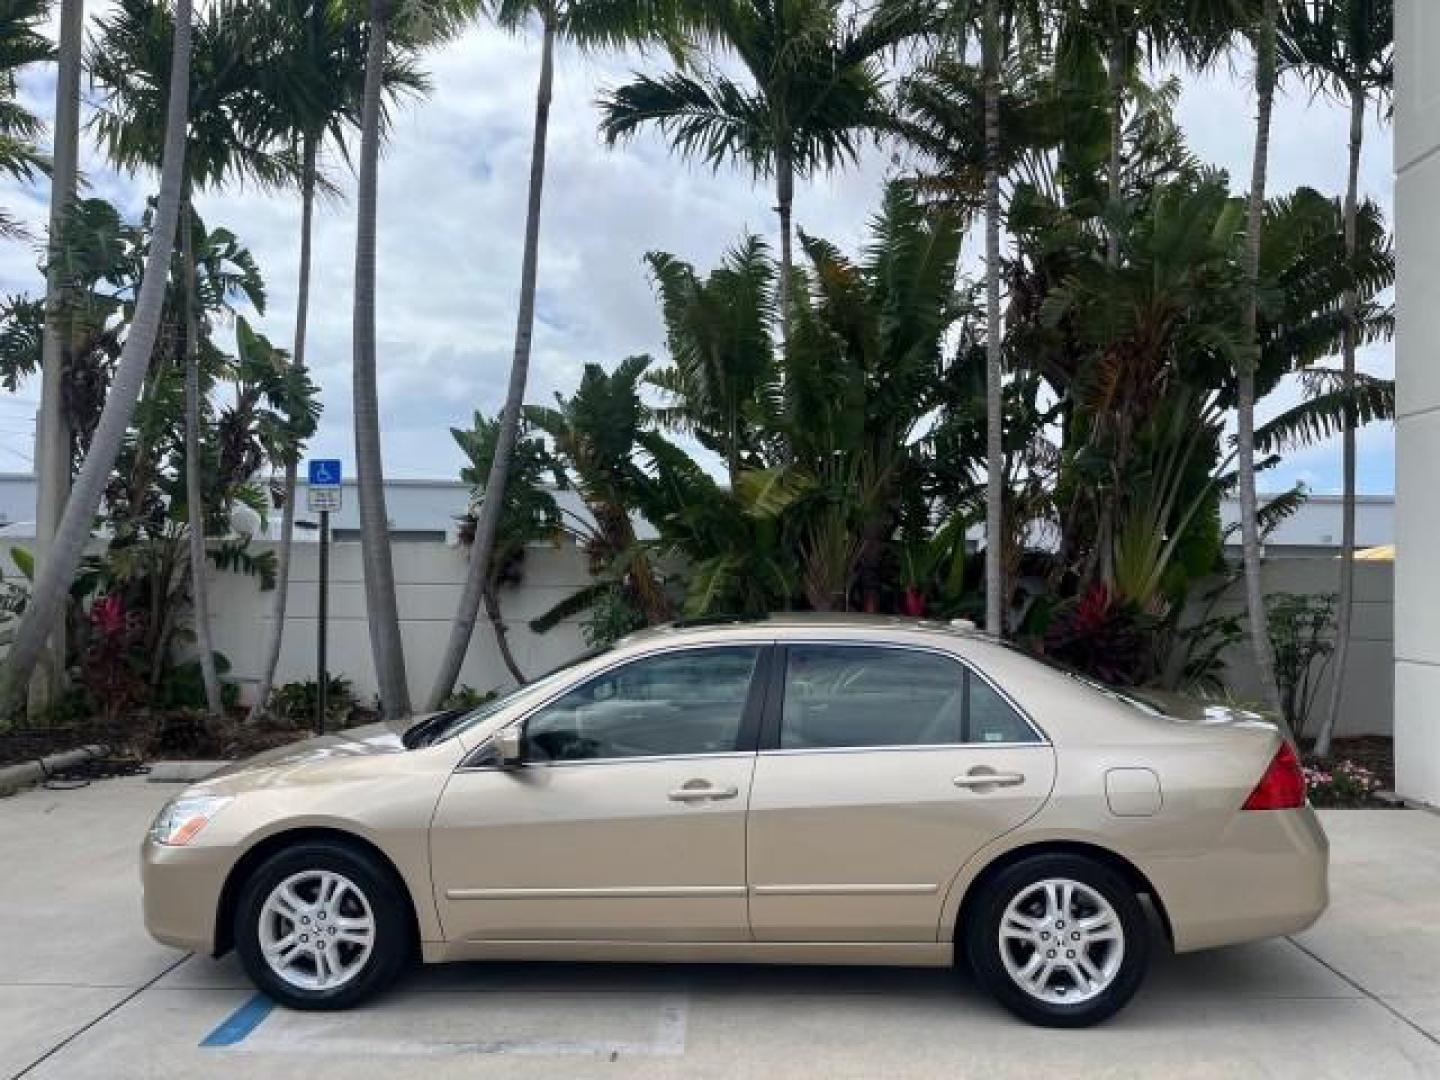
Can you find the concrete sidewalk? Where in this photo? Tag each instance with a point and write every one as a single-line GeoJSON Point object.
{"type": "Point", "coordinates": [84, 992]}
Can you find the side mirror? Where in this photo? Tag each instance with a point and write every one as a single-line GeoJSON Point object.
{"type": "Point", "coordinates": [507, 744]}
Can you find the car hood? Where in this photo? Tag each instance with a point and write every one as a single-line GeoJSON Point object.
{"type": "Point", "coordinates": [369, 740]}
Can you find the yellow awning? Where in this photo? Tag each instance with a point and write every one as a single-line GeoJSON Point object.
{"type": "Point", "coordinates": [1383, 553]}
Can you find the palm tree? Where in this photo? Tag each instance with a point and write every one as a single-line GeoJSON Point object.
{"type": "Point", "coordinates": [1197, 31]}
{"type": "Point", "coordinates": [994, 361]}
{"type": "Point", "coordinates": [594, 433]}
{"type": "Point", "coordinates": [129, 60]}
{"type": "Point", "coordinates": [311, 86]}
{"type": "Point", "coordinates": [928, 122]}
{"type": "Point", "coordinates": [588, 24]}
{"type": "Point", "coordinates": [816, 88]}
{"type": "Point", "coordinates": [53, 461]}
{"type": "Point", "coordinates": [531, 513]}
{"type": "Point", "coordinates": [21, 44]}
{"type": "Point", "coordinates": [1345, 48]}
{"type": "Point", "coordinates": [1265, 64]}
{"type": "Point", "coordinates": [718, 331]}
{"type": "Point", "coordinates": [416, 24]}
{"type": "Point", "coordinates": [52, 582]}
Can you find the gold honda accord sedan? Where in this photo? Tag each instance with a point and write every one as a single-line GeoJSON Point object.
{"type": "Point", "coordinates": [802, 790]}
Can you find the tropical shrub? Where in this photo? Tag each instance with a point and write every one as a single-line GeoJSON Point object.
{"type": "Point", "coordinates": [1302, 636]}
{"type": "Point", "coordinates": [295, 703]}
{"type": "Point", "coordinates": [465, 697]}
{"type": "Point", "coordinates": [1103, 636]}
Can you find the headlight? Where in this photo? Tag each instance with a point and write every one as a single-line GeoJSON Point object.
{"type": "Point", "coordinates": [183, 818]}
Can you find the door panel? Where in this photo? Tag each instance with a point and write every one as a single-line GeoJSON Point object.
{"type": "Point", "coordinates": [595, 850]}
{"type": "Point", "coordinates": [627, 821]}
{"type": "Point", "coordinates": [861, 845]}
{"type": "Point", "coordinates": [882, 770]}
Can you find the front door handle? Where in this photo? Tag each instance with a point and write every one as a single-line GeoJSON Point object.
{"type": "Point", "coordinates": [700, 790]}
{"type": "Point", "coordinates": [983, 779]}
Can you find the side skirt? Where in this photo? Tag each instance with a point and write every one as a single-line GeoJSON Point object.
{"type": "Point", "coordinates": [882, 953]}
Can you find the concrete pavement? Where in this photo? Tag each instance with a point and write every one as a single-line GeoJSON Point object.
{"type": "Point", "coordinates": [84, 992]}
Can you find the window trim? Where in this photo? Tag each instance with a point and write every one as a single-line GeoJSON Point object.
{"type": "Point", "coordinates": [746, 740]}
{"type": "Point", "coordinates": [775, 701]}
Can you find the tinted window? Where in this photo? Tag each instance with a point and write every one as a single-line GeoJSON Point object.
{"type": "Point", "coordinates": [992, 719]}
{"type": "Point", "coordinates": [689, 702]}
{"type": "Point", "coordinates": [845, 696]}
{"type": "Point", "coordinates": [837, 695]}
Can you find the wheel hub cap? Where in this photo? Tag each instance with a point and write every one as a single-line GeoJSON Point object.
{"type": "Point", "coordinates": [1061, 941]}
{"type": "Point", "coordinates": [316, 930]}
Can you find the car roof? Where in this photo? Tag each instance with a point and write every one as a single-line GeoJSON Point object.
{"type": "Point", "coordinates": [790, 623]}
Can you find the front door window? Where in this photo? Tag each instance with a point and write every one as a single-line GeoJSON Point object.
{"type": "Point", "coordinates": [679, 703]}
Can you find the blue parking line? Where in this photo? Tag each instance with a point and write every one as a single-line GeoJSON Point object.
{"type": "Point", "coordinates": [240, 1023]}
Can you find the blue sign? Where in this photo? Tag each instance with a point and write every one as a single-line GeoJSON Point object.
{"type": "Point", "coordinates": [325, 472]}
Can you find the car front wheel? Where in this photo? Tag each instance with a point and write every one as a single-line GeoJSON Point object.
{"type": "Point", "coordinates": [1060, 940]}
{"type": "Point", "coordinates": [322, 926]}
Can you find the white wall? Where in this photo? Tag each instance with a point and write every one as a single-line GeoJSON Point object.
{"type": "Point", "coordinates": [1367, 703]}
{"type": "Point", "coordinates": [1417, 438]}
{"type": "Point", "coordinates": [428, 579]}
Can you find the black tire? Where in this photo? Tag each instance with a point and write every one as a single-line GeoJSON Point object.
{"type": "Point", "coordinates": [393, 945]}
{"type": "Point", "coordinates": [984, 951]}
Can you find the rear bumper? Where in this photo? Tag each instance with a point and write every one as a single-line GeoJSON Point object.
{"type": "Point", "coordinates": [1266, 875]}
{"type": "Point", "coordinates": [182, 893]}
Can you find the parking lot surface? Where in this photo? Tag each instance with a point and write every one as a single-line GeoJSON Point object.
{"type": "Point", "coordinates": [85, 993]}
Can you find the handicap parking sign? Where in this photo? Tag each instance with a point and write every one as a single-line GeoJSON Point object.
{"type": "Point", "coordinates": [325, 472]}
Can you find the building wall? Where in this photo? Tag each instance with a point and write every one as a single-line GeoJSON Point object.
{"type": "Point", "coordinates": [428, 578]}
{"type": "Point", "coordinates": [1417, 449]}
{"type": "Point", "coordinates": [1367, 703]}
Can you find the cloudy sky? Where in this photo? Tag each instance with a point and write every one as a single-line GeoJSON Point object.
{"type": "Point", "coordinates": [452, 195]}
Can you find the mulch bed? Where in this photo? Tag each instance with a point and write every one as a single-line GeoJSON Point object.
{"type": "Point", "coordinates": [170, 736]}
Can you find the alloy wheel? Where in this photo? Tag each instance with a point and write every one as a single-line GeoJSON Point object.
{"type": "Point", "coordinates": [316, 930]}
{"type": "Point", "coordinates": [1061, 941]}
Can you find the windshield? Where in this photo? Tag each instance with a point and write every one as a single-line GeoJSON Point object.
{"type": "Point", "coordinates": [445, 724]}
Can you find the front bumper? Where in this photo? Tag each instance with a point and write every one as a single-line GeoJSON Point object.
{"type": "Point", "coordinates": [182, 887]}
{"type": "Point", "coordinates": [1267, 875]}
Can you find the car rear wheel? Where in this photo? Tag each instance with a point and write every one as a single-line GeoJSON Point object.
{"type": "Point", "coordinates": [1059, 940]}
{"type": "Point", "coordinates": [322, 926]}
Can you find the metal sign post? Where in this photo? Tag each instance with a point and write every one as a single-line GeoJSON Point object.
{"type": "Point", "coordinates": [322, 675]}
{"type": "Point", "coordinates": [322, 495]}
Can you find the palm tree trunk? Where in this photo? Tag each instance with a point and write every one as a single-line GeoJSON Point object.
{"type": "Point", "coordinates": [194, 498]}
{"type": "Point", "coordinates": [994, 361]}
{"type": "Point", "coordinates": [487, 525]}
{"type": "Point", "coordinates": [52, 458]}
{"type": "Point", "coordinates": [784, 198]}
{"type": "Point", "coordinates": [384, 615]}
{"type": "Point", "coordinates": [52, 582]}
{"type": "Point", "coordinates": [287, 511]}
{"type": "Point", "coordinates": [1249, 504]}
{"type": "Point", "coordinates": [1346, 605]}
{"type": "Point", "coordinates": [502, 633]}
{"type": "Point", "coordinates": [1115, 69]}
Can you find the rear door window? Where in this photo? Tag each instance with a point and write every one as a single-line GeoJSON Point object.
{"type": "Point", "coordinates": [870, 695]}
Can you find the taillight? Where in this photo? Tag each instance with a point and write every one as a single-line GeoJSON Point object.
{"type": "Point", "coordinates": [1283, 785]}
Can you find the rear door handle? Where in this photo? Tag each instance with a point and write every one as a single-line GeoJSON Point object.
{"type": "Point", "coordinates": [700, 790]}
{"type": "Point", "coordinates": [980, 780]}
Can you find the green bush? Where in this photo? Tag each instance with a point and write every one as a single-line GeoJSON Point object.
{"type": "Point", "coordinates": [295, 703]}
{"type": "Point", "coordinates": [183, 686]}
{"type": "Point", "coordinates": [466, 697]}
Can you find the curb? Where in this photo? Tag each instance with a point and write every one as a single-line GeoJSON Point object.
{"type": "Point", "coordinates": [25, 773]}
